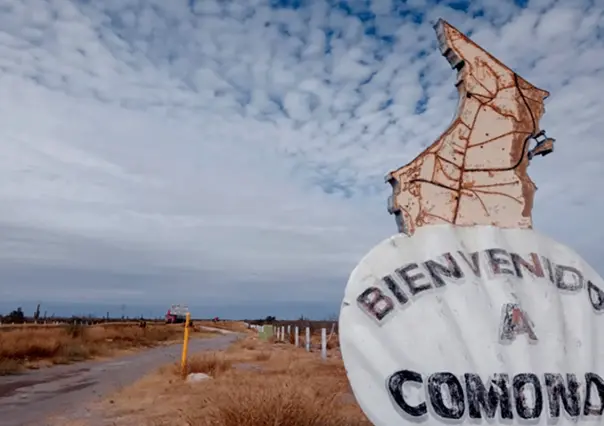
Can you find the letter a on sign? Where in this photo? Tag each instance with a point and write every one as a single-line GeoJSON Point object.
{"type": "Point", "coordinates": [515, 321]}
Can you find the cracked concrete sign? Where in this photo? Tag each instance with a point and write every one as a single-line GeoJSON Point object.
{"type": "Point", "coordinates": [475, 173]}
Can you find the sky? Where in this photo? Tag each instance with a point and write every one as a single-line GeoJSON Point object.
{"type": "Point", "coordinates": [231, 155]}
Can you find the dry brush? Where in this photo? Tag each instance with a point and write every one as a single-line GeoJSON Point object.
{"type": "Point", "coordinates": [253, 383]}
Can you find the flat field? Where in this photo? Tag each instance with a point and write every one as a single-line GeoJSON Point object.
{"type": "Point", "coordinates": [33, 346]}
{"type": "Point", "coordinates": [252, 383]}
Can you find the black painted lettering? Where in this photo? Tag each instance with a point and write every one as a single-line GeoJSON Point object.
{"type": "Point", "coordinates": [417, 282]}
{"type": "Point", "coordinates": [395, 289]}
{"type": "Point", "coordinates": [557, 390]}
{"type": "Point", "coordinates": [568, 278]}
{"type": "Point", "coordinates": [515, 321]}
{"type": "Point", "coordinates": [523, 407]}
{"type": "Point", "coordinates": [498, 395]}
{"type": "Point", "coordinates": [549, 268]}
{"type": "Point", "coordinates": [375, 303]}
{"type": "Point", "coordinates": [437, 383]}
{"type": "Point", "coordinates": [438, 272]}
{"type": "Point", "coordinates": [395, 388]}
{"type": "Point", "coordinates": [499, 261]}
{"type": "Point", "coordinates": [473, 262]}
{"type": "Point", "coordinates": [596, 296]}
{"type": "Point", "coordinates": [534, 267]}
{"type": "Point", "coordinates": [590, 409]}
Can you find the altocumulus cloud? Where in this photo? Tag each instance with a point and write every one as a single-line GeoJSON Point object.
{"type": "Point", "coordinates": [235, 151]}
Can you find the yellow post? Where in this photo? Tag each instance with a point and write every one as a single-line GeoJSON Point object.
{"type": "Point", "coordinates": [185, 344]}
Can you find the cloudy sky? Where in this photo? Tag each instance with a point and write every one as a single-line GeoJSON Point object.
{"type": "Point", "coordinates": [233, 152]}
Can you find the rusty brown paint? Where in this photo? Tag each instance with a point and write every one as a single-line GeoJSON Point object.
{"type": "Point", "coordinates": [475, 173]}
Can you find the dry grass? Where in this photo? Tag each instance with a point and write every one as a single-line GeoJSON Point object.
{"type": "Point", "coordinates": [333, 341]}
{"type": "Point", "coordinates": [253, 383]}
{"type": "Point", "coordinates": [27, 347]}
{"type": "Point", "coordinates": [212, 363]}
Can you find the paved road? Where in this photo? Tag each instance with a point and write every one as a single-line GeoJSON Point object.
{"type": "Point", "coordinates": [29, 398]}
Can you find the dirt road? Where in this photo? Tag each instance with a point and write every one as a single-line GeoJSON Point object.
{"type": "Point", "coordinates": [30, 398]}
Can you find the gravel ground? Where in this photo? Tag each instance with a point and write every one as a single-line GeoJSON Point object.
{"type": "Point", "coordinates": [29, 399]}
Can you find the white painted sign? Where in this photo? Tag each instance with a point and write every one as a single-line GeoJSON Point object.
{"type": "Point", "coordinates": [475, 325]}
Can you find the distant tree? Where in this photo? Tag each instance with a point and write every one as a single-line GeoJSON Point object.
{"type": "Point", "coordinates": [332, 317]}
{"type": "Point", "coordinates": [17, 316]}
{"type": "Point", "coordinates": [270, 319]}
{"type": "Point", "coordinates": [37, 313]}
